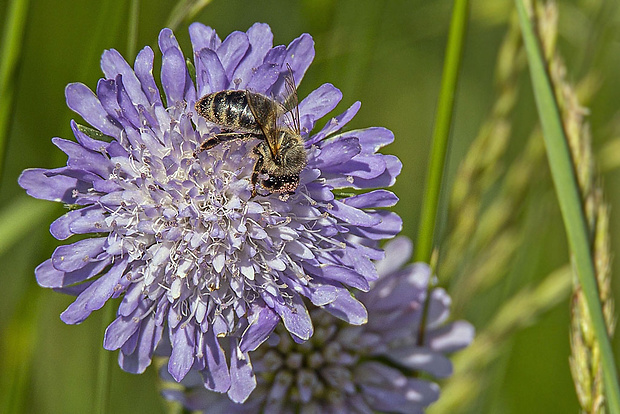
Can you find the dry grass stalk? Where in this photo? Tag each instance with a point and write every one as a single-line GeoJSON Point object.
{"type": "Point", "coordinates": [584, 361]}
{"type": "Point", "coordinates": [477, 252]}
{"type": "Point", "coordinates": [481, 166]}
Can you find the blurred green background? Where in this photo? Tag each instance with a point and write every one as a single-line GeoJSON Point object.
{"type": "Point", "coordinates": [389, 55]}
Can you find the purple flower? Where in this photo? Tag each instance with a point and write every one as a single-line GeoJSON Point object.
{"type": "Point", "coordinates": [179, 236]}
{"type": "Point", "coordinates": [355, 369]}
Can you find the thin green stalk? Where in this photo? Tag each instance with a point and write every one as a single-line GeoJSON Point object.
{"type": "Point", "coordinates": [132, 36]}
{"type": "Point", "coordinates": [9, 56]}
{"type": "Point", "coordinates": [441, 133]}
{"type": "Point", "coordinates": [570, 202]}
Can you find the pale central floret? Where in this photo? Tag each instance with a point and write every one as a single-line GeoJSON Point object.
{"type": "Point", "coordinates": [196, 236]}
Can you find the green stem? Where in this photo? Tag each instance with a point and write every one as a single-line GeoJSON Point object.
{"type": "Point", "coordinates": [9, 57]}
{"type": "Point", "coordinates": [441, 133]}
{"type": "Point", "coordinates": [132, 37]}
{"type": "Point", "coordinates": [569, 199]}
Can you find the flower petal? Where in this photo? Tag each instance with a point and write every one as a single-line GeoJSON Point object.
{"type": "Point", "coordinates": [95, 296]}
{"type": "Point", "coordinates": [334, 124]}
{"type": "Point", "coordinates": [147, 339]}
{"type": "Point", "coordinates": [317, 104]}
{"type": "Point", "coordinates": [183, 351]}
{"type": "Point", "coordinates": [371, 139]}
{"type": "Point", "coordinates": [387, 390]}
{"type": "Point", "coordinates": [52, 185]}
{"type": "Point", "coordinates": [83, 159]}
{"type": "Point", "coordinates": [48, 276]}
{"type": "Point", "coordinates": [421, 359]}
{"type": "Point", "coordinates": [261, 325]}
{"type": "Point", "coordinates": [216, 376]}
{"type": "Point", "coordinates": [74, 256]}
{"type": "Point", "coordinates": [450, 338]}
{"type": "Point", "coordinates": [347, 308]}
{"type": "Point", "coordinates": [113, 64]}
{"type": "Point", "coordinates": [337, 153]}
{"type": "Point", "coordinates": [372, 199]}
{"type": "Point", "coordinates": [390, 224]}
{"type": "Point", "coordinates": [83, 101]}
{"type": "Point", "coordinates": [211, 80]}
{"type": "Point", "coordinates": [295, 317]}
{"type": "Point", "coordinates": [143, 67]}
{"type": "Point", "coordinates": [203, 37]}
{"type": "Point", "coordinates": [261, 40]}
{"type": "Point", "coordinates": [397, 252]}
{"type": "Point", "coordinates": [299, 55]}
{"type": "Point", "coordinates": [352, 215]}
{"type": "Point", "coordinates": [242, 377]}
{"type": "Point", "coordinates": [119, 331]}
{"type": "Point", "coordinates": [231, 51]}
{"type": "Point", "coordinates": [174, 76]}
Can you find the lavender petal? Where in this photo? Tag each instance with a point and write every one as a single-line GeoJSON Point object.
{"type": "Point", "coordinates": [183, 350]}
{"type": "Point", "coordinates": [83, 101]}
{"type": "Point", "coordinates": [231, 51]}
{"type": "Point", "coordinates": [261, 325]}
{"type": "Point", "coordinates": [347, 308]}
{"type": "Point", "coordinates": [95, 296]}
{"type": "Point", "coordinates": [242, 378]}
{"type": "Point", "coordinates": [216, 375]}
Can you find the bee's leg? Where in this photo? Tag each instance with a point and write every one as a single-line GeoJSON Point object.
{"type": "Point", "coordinates": [223, 137]}
{"type": "Point", "coordinates": [257, 170]}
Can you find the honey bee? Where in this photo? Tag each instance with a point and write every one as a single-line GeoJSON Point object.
{"type": "Point", "coordinates": [242, 114]}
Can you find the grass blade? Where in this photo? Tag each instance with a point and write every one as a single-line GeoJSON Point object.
{"type": "Point", "coordinates": [9, 57]}
{"type": "Point", "coordinates": [441, 133]}
{"type": "Point", "coordinates": [569, 200]}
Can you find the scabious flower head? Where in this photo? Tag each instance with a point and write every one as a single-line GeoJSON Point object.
{"type": "Point", "coordinates": [377, 367]}
{"type": "Point", "coordinates": [178, 236]}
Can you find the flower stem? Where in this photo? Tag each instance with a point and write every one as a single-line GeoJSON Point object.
{"type": "Point", "coordinates": [9, 57]}
{"type": "Point", "coordinates": [441, 133]}
{"type": "Point", "coordinates": [569, 199]}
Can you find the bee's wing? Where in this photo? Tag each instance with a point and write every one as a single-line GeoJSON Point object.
{"type": "Point", "coordinates": [269, 127]}
{"type": "Point", "coordinates": [291, 102]}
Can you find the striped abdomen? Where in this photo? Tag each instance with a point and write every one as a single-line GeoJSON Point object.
{"type": "Point", "coordinates": [230, 109]}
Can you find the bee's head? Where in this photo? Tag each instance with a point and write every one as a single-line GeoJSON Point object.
{"type": "Point", "coordinates": [282, 167]}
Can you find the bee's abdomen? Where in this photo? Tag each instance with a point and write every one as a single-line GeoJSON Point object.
{"type": "Point", "coordinates": [228, 109]}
